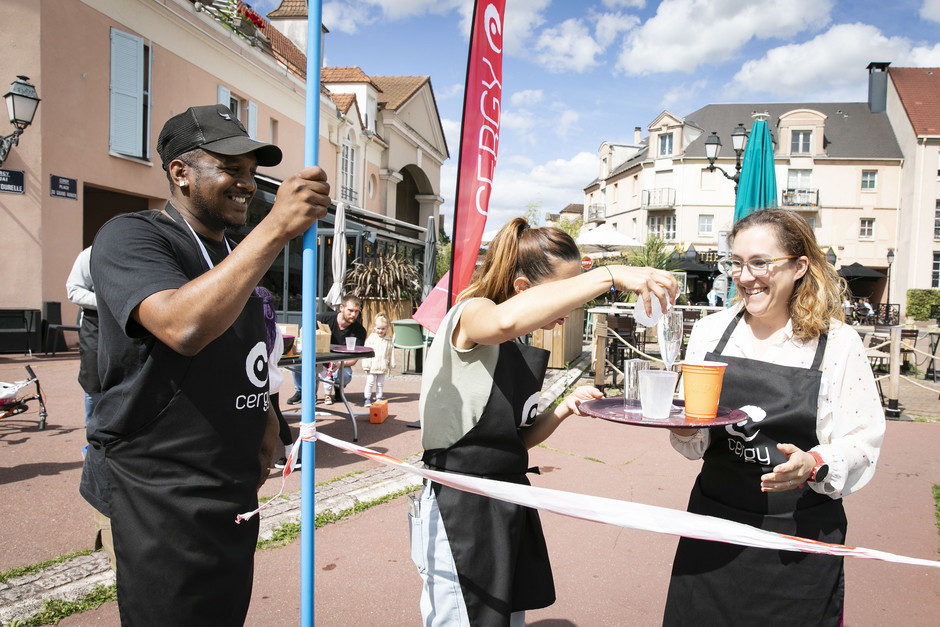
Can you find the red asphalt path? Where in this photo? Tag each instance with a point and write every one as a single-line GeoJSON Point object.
{"type": "Point", "coordinates": [363, 572]}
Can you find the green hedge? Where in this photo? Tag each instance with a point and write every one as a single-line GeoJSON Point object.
{"type": "Point", "coordinates": [919, 303]}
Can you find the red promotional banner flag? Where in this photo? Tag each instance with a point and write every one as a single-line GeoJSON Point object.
{"type": "Point", "coordinates": [479, 142]}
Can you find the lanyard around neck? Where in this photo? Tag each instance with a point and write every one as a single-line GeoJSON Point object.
{"type": "Point", "coordinates": [202, 247]}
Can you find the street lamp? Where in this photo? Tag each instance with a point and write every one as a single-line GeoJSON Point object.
{"type": "Point", "coordinates": [831, 256]}
{"type": "Point", "coordinates": [713, 147]}
{"type": "Point", "coordinates": [21, 106]}
{"type": "Point", "coordinates": [890, 261]}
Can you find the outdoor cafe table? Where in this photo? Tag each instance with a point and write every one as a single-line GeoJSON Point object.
{"type": "Point", "coordinates": [337, 353]}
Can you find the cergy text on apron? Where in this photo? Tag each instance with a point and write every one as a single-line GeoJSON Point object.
{"type": "Point", "coordinates": [498, 547]}
{"type": "Point", "coordinates": [717, 583]}
{"type": "Point", "coordinates": [180, 475]}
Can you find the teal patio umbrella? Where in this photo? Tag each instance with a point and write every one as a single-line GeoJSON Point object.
{"type": "Point", "coordinates": [757, 185]}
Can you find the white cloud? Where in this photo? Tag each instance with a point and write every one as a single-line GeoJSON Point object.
{"type": "Point", "coordinates": [608, 26]}
{"type": "Point", "coordinates": [686, 33]}
{"type": "Point", "coordinates": [683, 97]}
{"type": "Point", "coordinates": [551, 185]}
{"type": "Point", "coordinates": [449, 92]}
{"type": "Point", "coordinates": [526, 97]}
{"type": "Point", "coordinates": [568, 46]}
{"type": "Point", "coordinates": [348, 15]}
{"type": "Point", "coordinates": [931, 10]}
{"type": "Point", "coordinates": [625, 4]}
{"type": "Point", "coordinates": [517, 120]}
{"type": "Point", "coordinates": [521, 20]}
{"type": "Point", "coordinates": [567, 122]}
{"type": "Point", "coordinates": [452, 136]}
{"type": "Point", "coordinates": [831, 65]}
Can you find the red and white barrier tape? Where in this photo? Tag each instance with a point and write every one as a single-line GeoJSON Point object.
{"type": "Point", "coordinates": [609, 511]}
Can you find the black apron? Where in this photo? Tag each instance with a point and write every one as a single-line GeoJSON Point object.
{"type": "Point", "coordinates": [714, 583]}
{"type": "Point", "coordinates": [88, 353]}
{"type": "Point", "coordinates": [178, 478]}
{"type": "Point", "coordinates": [498, 547]}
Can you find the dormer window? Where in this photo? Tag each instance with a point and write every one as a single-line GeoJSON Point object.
{"type": "Point", "coordinates": [801, 142]}
{"type": "Point", "coordinates": [665, 144]}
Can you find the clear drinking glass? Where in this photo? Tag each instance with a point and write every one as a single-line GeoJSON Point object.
{"type": "Point", "coordinates": [631, 382]}
{"type": "Point", "coordinates": [669, 332]}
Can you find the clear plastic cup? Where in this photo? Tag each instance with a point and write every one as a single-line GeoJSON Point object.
{"type": "Point", "coordinates": [631, 381]}
{"type": "Point", "coordinates": [350, 343]}
{"type": "Point", "coordinates": [656, 390]}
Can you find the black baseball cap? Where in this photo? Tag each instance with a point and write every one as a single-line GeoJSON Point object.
{"type": "Point", "coordinates": [214, 128]}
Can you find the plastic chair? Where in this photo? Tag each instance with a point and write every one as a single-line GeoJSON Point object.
{"type": "Point", "coordinates": [409, 336]}
{"type": "Point", "coordinates": [55, 330]}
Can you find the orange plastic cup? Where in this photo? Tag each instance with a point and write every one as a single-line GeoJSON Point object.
{"type": "Point", "coordinates": [702, 383]}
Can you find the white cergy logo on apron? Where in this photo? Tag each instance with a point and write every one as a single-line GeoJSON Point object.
{"type": "Point", "coordinates": [255, 365]}
{"type": "Point", "coordinates": [530, 410]}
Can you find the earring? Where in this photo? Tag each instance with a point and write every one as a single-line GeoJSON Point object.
{"type": "Point", "coordinates": [183, 184]}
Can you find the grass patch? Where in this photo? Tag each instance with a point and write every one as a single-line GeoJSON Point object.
{"type": "Point", "coordinates": [339, 478]}
{"type": "Point", "coordinates": [936, 501]}
{"type": "Point", "coordinates": [35, 568]}
{"type": "Point", "coordinates": [54, 610]}
{"type": "Point", "coordinates": [286, 533]}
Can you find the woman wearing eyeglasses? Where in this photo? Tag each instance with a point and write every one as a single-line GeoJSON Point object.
{"type": "Point", "coordinates": [813, 434]}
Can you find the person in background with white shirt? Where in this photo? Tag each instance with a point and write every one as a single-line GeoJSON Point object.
{"type": "Point", "coordinates": [380, 341]}
{"type": "Point", "coordinates": [813, 434]}
{"type": "Point", "coordinates": [81, 291]}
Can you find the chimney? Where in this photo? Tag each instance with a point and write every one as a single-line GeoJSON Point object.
{"type": "Point", "coordinates": [637, 135]}
{"type": "Point", "coordinates": [878, 86]}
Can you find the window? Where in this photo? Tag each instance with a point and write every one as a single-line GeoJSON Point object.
{"type": "Point", "coordinates": [866, 228]}
{"type": "Point", "coordinates": [936, 222]}
{"type": "Point", "coordinates": [869, 179]}
{"type": "Point", "coordinates": [347, 175]}
{"type": "Point", "coordinates": [131, 66]}
{"type": "Point", "coordinates": [935, 273]}
{"type": "Point", "coordinates": [665, 144]}
{"type": "Point", "coordinates": [811, 221]}
{"type": "Point", "coordinates": [664, 226]}
{"type": "Point", "coordinates": [799, 179]}
{"type": "Point", "coordinates": [800, 142]}
{"type": "Point", "coordinates": [706, 225]}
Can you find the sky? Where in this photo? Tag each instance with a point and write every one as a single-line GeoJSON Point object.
{"type": "Point", "coordinates": [577, 73]}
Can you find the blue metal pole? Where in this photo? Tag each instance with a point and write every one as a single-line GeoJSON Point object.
{"type": "Point", "coordinates": [308, 320]}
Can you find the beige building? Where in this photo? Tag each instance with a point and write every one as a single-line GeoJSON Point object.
{"type": "Point", "coordinates": [838, 164]}
{"type": "Point", "coordinates": [110, 72]}
{"type": "Point", "coordinates": [913, 106]}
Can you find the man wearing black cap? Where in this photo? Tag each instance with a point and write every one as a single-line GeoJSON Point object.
{"type": "Point", "coordinates": [183, 435]}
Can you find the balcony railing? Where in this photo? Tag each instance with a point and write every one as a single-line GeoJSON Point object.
{"type": "Point", "coordinates": [597, 213]}
{"type": "Point", "coordinates": [800, 198]}
{"type": "Point", "coordinates": [348, 194]}
{"type": "Point", "coordinates": [660, 198]}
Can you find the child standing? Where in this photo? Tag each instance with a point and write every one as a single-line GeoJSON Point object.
{"type": "Point", "coordinates": [380, 340]}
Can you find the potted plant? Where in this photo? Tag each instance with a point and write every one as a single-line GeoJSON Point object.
{"type": "Point", "coordinates": [386, 283]}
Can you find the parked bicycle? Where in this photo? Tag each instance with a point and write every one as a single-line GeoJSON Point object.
{"type": "Point", "coordinates": [12, 402]}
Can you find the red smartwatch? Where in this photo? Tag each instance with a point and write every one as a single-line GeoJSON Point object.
{"type": "Point", "coordinates": [820, 470]}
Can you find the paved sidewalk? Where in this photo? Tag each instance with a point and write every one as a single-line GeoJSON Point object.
{"type": "Point", "coordinates": [20, 597]}
{"type": "Point", "coordinates": [363, 572]}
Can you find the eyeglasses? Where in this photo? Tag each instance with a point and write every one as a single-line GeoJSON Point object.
{"type": "Point", "coordinates": [757, 267]}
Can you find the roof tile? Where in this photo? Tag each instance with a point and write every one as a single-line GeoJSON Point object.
{"type": "Point", "coordinates": [919, 90]}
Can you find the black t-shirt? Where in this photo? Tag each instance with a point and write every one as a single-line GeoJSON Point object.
{"type": "Point", "coordinates": [338, 336]}
{"type": "Point", "coordinates": [134, 256]}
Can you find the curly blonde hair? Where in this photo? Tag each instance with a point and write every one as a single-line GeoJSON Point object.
{"type": "Point", "coordinates": [817, 295]}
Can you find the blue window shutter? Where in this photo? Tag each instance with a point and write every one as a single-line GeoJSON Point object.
{"type": "Point", "coordinates": [252, 126]}
{"type": "Point", "coordinates": [225, 96]}
{"type": "Point", "coordinates": [127, 87]}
